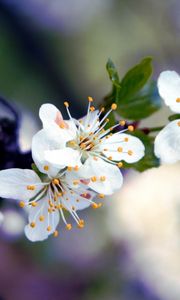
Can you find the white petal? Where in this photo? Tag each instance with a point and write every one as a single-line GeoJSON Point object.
{"type": "Point", "coordinates": [167, 143]}
{"type": "Point", "coordinates": [42, 141]}
{"type": "Point", "coordinates": [14, 182]}
{"type": "Point", "coordinates": [49, 114]}
{"type": "Point", "coordinates": [169, 89]}
{"type": "Point", "coordinates": [40, 232]}
{"type": "Point", "coordinates": [88, 122]}
{"type": "Point", "coordinates": [125, 143]}
{"type": "Point", "coordinates": [76, 200]}
{"type": "Point", "coordinates": [101, 169]}
{"type": "Point", "coordinates": [64, 157]}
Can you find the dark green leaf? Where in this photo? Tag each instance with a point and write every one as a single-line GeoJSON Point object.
{"type": "Point", "coordinates": [174, 117]}
{"type": "Point", "coordinates": [141, 105]}
{"type": "Point", "coordinates": [149, 160]}
{"type": "Point", "coordinates": [135, 79]}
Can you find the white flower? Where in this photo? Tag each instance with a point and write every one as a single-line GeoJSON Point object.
{"type": "Point", "coordinates": [167, 142]}
{"type": "Point", "coordinates": [46, 198]}
{"type": "Point", "coordinates": [87, 142]}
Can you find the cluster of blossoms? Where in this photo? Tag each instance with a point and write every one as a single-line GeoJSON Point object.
{"type": "Point", "coordinates": [76, 163]}
{"type": "Point", "coordinates": [167, 142]}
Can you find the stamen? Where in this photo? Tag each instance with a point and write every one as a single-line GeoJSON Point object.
{"type": "Point", "coordinates": [56, 233]}
{"type": "Point", "coordinates": [69, 226]}
{"type": "Point", "coordinates": [90, 99]}
{"type": "Point", "coordinates": [31, 187]}
{"type": "Point", "coordinates": [131, 128]}
{"type": "Point", "coordinates": [103, 178]}
{"type": "Point", "coordinates": [178, 123]}
{"type": "Point", "coordinates": [120, 149]}
{"type": "Point", "coordinates": [178, 100]}
{"type": "Point", "coordinates": [22, 204]}
{"type": "Point", "coordinates": [56, 181]}
{"type": "Point", "coordinates": [114, 106]}
{"type": "Point", "coordinates": [49, 228]}
{"type": "Point", "coordinates": [94, 179]}
{"type": "Point", "coordinates": [34, 204]}
{"type": "Point", "coordinates": [32, 224]}
{"type": "Point", "coordinates": [122, 122]}
{"type": "Point", "coordinates": [46, 168]}
{"type": "Point", "coordinates": [41, 218]}
{"type": "Point", "coordinates": [130, 152]}
{"type": "Point", "coordinates": [120, 164]}
{"type": "Point", "coordinates": [66, 104]}
{"type": "Point", "coordinates": [101, 196]}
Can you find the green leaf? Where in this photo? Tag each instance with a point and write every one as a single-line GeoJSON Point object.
{"type": "Point", "coordinates": [141, 105]}
{"type": "Point", "coordinates": [135, 79]}
{"type": "Point", "coordinates": [174, 117]}
{"type": "Point", "coordinates": [149, 160]}
{"type": "Point", "coordinates": [113, 74]}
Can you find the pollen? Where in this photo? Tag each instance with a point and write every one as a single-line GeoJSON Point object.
{"type": "Point", "coordinates": [131, 128]}
{"type": "Point", "coordinates": [114, 106]}
{"type": "Point", "coordinates": [68, 226]}
{"type": "Point", "coordinates": [32, 224]}
{"type": "Point", "coordinates": [49, 228]}
{"type": "Point", "coordinates": [130, 152]}
{"type": "Point", "coordinates": [120, 149]}
{"type": "Point", "coordinates": [126, 139]}
{"type": "Point", "coordinates": [101, 196]}
{"type": "Point", "coordinates": [41, 218]}
{"type": "Point", "coordinates": [46, 168]}
{"type": "Point", "coordinates": [21, 204]}
{"type": "Point", "coordinates": [56, 233]}
{"type": "Point", "coordinates": [92, 108]}
{"type": "Point", "coordinates": [120, 164]}
{"type": "Point", "coordinates": [94, 179]}
{"type": "Point", "coordinates": [122, 122]}
{"type": "Point", "coordinates": [103, 178]}
{"type": "Point", "coordinates": [90, 99]}
{"type": "Point", "coordinates": [75, 182]}
{"type": "Point", "coordinates": [66, 104]}
{"type": "Point", "coordinates": [34, 204]}
{"type": "Point", "coordinates": [31, 187]}
{"type": "Point", "coordinates": [56, 181]}
{"type": "Point", "coordinates": [178, 100]}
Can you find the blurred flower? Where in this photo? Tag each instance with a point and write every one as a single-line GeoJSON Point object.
{"type": "Point", "coordinates": [167, 142]}
{"type": "Point", "coordinates": [66, 16]}
{"type": "Point", "coordinates": [146, 216]}
{"type": "Point", "coordinates": [99, 151]}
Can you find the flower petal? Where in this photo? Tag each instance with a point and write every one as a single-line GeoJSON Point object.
{"type": "Point", "coordinates": [49, 114]}
{"type": "Point", "coordinates": [121, 146]}
{"type": "Point", "coordinates": [77, 200]}
{"type": "Point", "coordinates": [45, 222]}
{"type": "Point", "coordinates": [63, 157]}
{"type": "Point", "coordinates": [169, 89]}
{"type": "Point", "coordinates": [42, 141]}
{"type": "Point", "coordinates": [167, 143]}
{"type": "Point", "coordinates": [105, 177]}
{"type": "Point", "coordinates": [14, 184]}
{"type": "Point", "coordinates": [88, 122]}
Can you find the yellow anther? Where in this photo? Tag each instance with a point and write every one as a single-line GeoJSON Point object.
{"type": "Point", "coordinates": [76, 168]}
{"type": "Point", "coordinates": [68, 226]}
{"type": "Point", "coordinates": [82, 145]}
{"type": "Point", "coordinates": [21, 204]}
{"type": "Point", "coordinates": [96, 205]}
{"type": "Point", "coordinates": [60, 194]}
{"type": "Point", "coordinates": [101, 196]}
{"type": "Point", "coordinates": [131, 128]}
{"type": "Point", "coordinates": [114, 106]}
{"type": "Point", "coordinates": [90, 99]}
{"type": "Point", "coordinates": [77, 200]}
{"type": "Point", "coordinates": [56, 233]}
{"type": "Point", "coordinates": [110, 157]}
{"type": "Point", "coordinates": [41, 218]}
{"type": "Point", "coordinates": [120, 164]}
{"type": "Point", "coordinates": [69, 168]}
{"type": "Point", "coordinates": [95, 158]}
{"type": "Point", "coordinates": [107, 120]}
{"type": "Point", "coordinates": [72, 143]}
{"type": "Point", "coordinates": [126, 139]}
{"type": "Point", "coordinates": [73, 207]}
{"type": "Point", "coordinates": [62, 125]}
{"type": "Point", "coordinates": [92, 108]}
{"type": "Point", "coordinates": [105, 149]}
{"type": "Point", "coordinates": [120, 149]}
{"type": "Point", "coordinates": [178, 123]}
{"type": "Point", "coordinates": [178, 100]}
{"type": "Point", "coordinates": [32, 224]}
{"type": "Point", "coordinates": [130, 152]}
{"type": "Point", "coordinates": [102, 109]}
{"type": "Point", "coordinates": [66, 104]}
{"type": "Point", "coordinates": [122, 122]}
{"type": "Point", "coordinates": [49, 228]}
{"type": "Point", "coordinates": [55, 181]}
{"type": "Point", "coordinates": [49, 210]}
{"type": "Point", "coordinates": [76, 181]}
{"type": "Point", "coordinates": [46, 168]}
{"type": "Point", "coordinates": [103, 178]}
{"type": "Point", "coordinates": [93, 178]}
{"type": "Point", "coordinates": [34, 204]}
{"type": "Point", "coordinates": [80, 224]}
{"type": "Point", "coordinates": [31, 187]}
{"type": "Point", "coordinates": [55, 198]}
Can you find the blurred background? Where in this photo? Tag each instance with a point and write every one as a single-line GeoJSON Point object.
{"type": "Point", "coordinates": [52, 51]}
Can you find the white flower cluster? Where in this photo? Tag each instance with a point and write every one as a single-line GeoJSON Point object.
{"type": "Point", "coordinates": [76, 161]}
